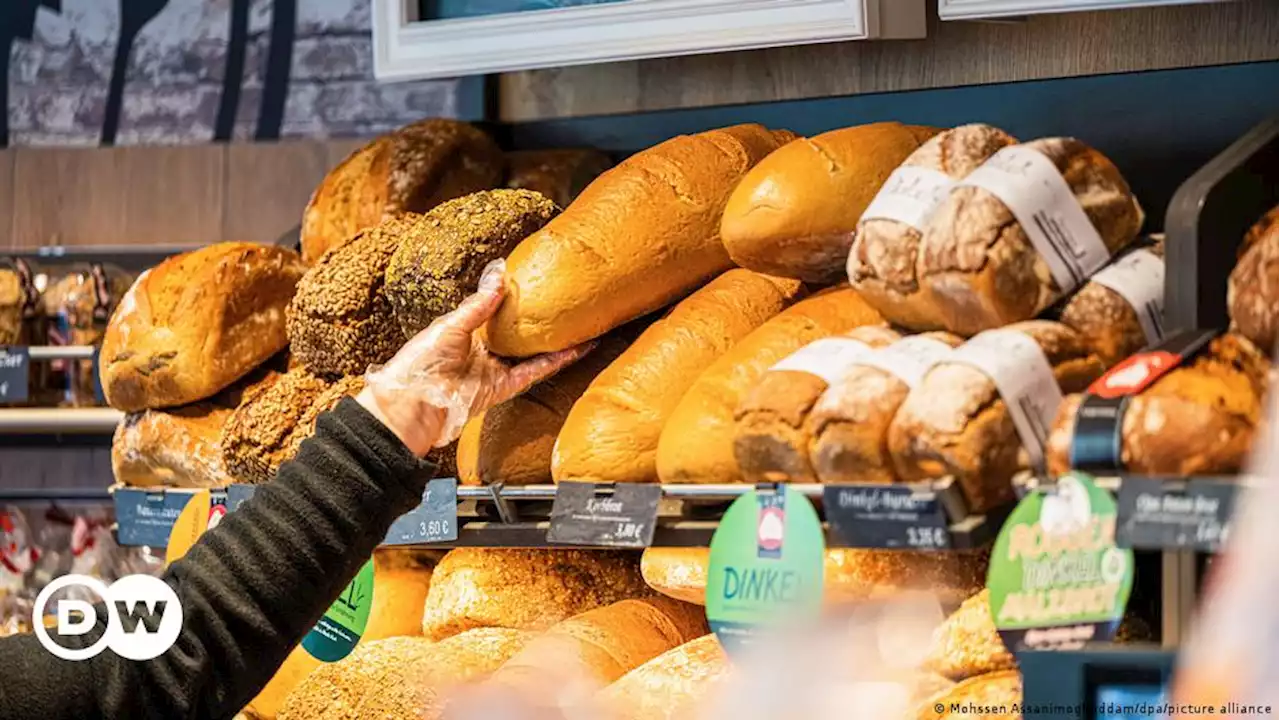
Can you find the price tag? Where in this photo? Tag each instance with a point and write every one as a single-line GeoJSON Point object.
{"type": "Point", "coordinates": [147, 517]}
{"type": "Point", "coordinates": [15, 373]}
{"type": "Point", "coordinates": [1157, 515]}
{"type": "Point", "coordinates": [886, 516]}
{"type": "Point", "coordinates": [237, 494]}
{"type": "Point", "coordinates": [588, 514]}
{"type": "Point", "coordinates": [434, 521]}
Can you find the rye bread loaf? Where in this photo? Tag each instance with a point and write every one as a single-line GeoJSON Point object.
{"type": "Point", "coordinates": [696, 445]}
{"type": "Point", "coordinates": [847, 431]}
{"type": "Point", "coordinates": [956, 423]}
{"type": "Point", "coordinates": [1105, 318]}
{"type": "Point", "coordinates": [993, 696]}
{"type": "Point", "coordinates": [793, 215]}
{"type": "Point", "coordinates": [611, 433]}
{"type": "Point", "coordinates": [771, 440]}
{"type": "Point", "coordinates": [977, 262]}
{"type": "Point", "coordinates": [673, 686]}
{"type": "Point", "coordinates": [638, 238]}
{"type": "Point", "coordinates": [412, 169]}
{"type": "Point", "coordinates": [885, 251]}
{"type": "Point", "coordinates": [196, 323]}
{"type": "Point", "coordinates": [1252, 288]}
{"type": "Point", "coordinates": [1199, 419]}
{"type": "Point", "coordinates": [560, 175]}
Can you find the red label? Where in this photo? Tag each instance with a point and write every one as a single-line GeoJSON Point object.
{"type": "Point", "coordinates": [1134, 374]}
{"type": "Point", "coordinates": [769, 531]}
{"type": "Point", "coordinates": [216, 513]}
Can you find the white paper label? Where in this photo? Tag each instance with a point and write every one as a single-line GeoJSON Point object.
{"type": "Point", "coordinates": [1029, 184]}
{"type": "Point", "coordinates": [1024, 380]}
{"type": "Point", "coordinates": [910, 195]}
{"type": "Point", "coordinates": [909, 358]}
{"type": "Point", "coordinates": [827, 358]}
{"type": "Point", "coordinates": [1138, 277]}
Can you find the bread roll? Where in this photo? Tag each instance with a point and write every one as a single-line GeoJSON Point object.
{"type": "Point", "coordinates": [558, 174]}
{"type": "Point", "coordinates": [1121, 309]}
{"type": "Point", "coordinates": [847, 431]}
{"type": "Point", "coordinates": [639, 237]}
{"type": "Point", "coordinates": [611, 434]}
{"type": "Point", "coordinates": [885, 250]}
{"type": "Point", "coordinates": [696, 445]}
{"type": "Point", "coordinates": [978, 262]}
{"type": "Point", "coordinates": [524, 589]}
{"type": "Point", "coordinates": [956, 423]}
{"type": "Point", "coordinates": [412, 169]}
{"type": "Point", "coordinates": [196, 323]}
{"type": "Point", "coordinates": [1252, 288]}
{"type": "Point", "coordinates": [793, 215]}
{"type": "Point", "coordinates": [771, 443]}
{"type": "Point", "coordinates": [1199, 419]}
{"type": "Point", "coordinates": [673, 686]}
{"type": "Point", "coordinates": [993, 696]}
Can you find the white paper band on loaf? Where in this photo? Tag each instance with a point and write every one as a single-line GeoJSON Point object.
{"type": "Point", "coordinates": [1029, 184]}
{"type": "Point", "coordinates": [1024, 379]}
{"type": "Point", "coordinates": [909, 358]}
{"type": "Point", "coordinates": [909, 195]}
{"type": "Point", "coordinates": [828, 358]}
{"type": "Point", "coordinates": [1138, 277]}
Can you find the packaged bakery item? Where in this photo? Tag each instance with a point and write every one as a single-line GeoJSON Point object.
{"type": "Point", "coordinates": [560, 175]}
{"type": "Point", "coordinates": [771, 442]}
{"type": "Point", "coordinates": [77, 306]}
{"type": "Point", "coordinates": [793, 215]}
{"type": "Point", "coordinates": [641, 236]}
{"type": "Point", "coordinates": [1252, 288]}
{"type": "Point", "coordinates": [847, 430]}
{"type": "Point", "coordinates": [984, 412]}
{"type": "Point", "coordinates": [1120, 310]}
{"type": "Point", "coordinates": [1024, 229]}
{"type": "Point", "coordinates": [1188, 406]}
{"type": "Point", "coordinates": [886, 247]}
{"type": "Point", "coordinates": [412, 169]}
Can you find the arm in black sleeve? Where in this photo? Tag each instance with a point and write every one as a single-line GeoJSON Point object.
{"type": "Point", "coordinates": [250, 588]}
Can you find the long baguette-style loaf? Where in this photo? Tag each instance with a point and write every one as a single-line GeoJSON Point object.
{"type": "Point", "coordinates": [640, 236]}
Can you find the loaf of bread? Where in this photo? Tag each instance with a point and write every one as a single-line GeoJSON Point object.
{"type": "Point", "coordinates": [993, 696]}
{"type": "Point", "coordinates": [642, 235]}
{"type": "Point", "coordinates": [696, 445]}
{"type": "Point", "coordinates": [196, 323]}
{"type": "Point", "coordinates": [794, 213]}
{"type": "Point", "coordinates": [1120, 310]}
{"type": "Point", "coordinates": [956, 422]}
{"type": "Point", "coordinates": [334, 690]}
{"type": "Point", "coordinates": [412, 169]}
{"type": "Point", "coordinates": [673, 686]}
{"type": "Point", "coordinates": [847, 431]}
{"type": "Point", "coordinates": [770, 442]}
{"type": "Point", "coordinates": [524, 589]}
{"type": "Point", "coordinates": [886, 245]}
{"type": "Point", "coordinates": [442, 253]}
{"type": "Point", "coordinates": [967, 643]}
{"type": "Point", "coordinates": [611, 434]}
{"type": "Point", "coordinates": [1252, 288]}
{"type": "Point", "coordinates": [979, 262]}
{"type": "Point", "coordinates": [1199, 419]}
{"type": "Point", "coordinates": [558, 174]}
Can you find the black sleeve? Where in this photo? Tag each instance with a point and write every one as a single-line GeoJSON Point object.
{"type": "Point", "coordinates": [250, 588]}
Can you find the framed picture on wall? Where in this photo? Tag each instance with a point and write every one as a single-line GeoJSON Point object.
{"type": "Point", "coordinates": [419, 39]}
{"type": "Point", "coordinates": [983, 9]}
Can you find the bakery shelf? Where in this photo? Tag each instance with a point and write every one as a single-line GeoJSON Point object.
{"type": "Point", "coordinates": [59, 421]}
{"type": "Point", "coordinates": [61, 495]}
{"type": "Point", "coordinates": [61, 352]}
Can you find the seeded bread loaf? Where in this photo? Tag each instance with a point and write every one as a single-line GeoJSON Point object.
{"type": "Point", "coordinates": [1252, 288]}
{"type": "Point", "coordinates": [993, 696]}
{"type": "Point", "coordinates": [1111, 321]}
{"type": "Point", "coordinates": [560, 175]}
{"type": "Point", "coordinates": [334, 690]}
{"type": "Point", "coordinates": [673, 686]}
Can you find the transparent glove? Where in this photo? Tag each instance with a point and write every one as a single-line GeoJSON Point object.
{"type": "Point", "coordinates": [445, 374]}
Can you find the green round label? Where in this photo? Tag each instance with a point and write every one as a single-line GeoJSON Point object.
{"type": "Point", "coordinates": [1057, 579]}
{"type": "Point", "coordinates": [766, 566]}
{"type": "Point", "coordinates": [338, 631]}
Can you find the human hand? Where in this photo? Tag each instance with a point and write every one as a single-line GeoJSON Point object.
{"type": "Point", "coordinates": [445, 374]}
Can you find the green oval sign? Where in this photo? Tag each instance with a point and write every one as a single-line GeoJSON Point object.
{"type": "Point", "coordinates": [338, 631]}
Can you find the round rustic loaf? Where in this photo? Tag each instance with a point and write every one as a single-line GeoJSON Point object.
{"type": "Point", "coordinates": [1105, 319]}
{"type": "Point", "coordinates": [1254, 285]}
{"type": "Point", "coordinates": [673, 686]}
{"type": "Point", "coordinates": [558, 174]}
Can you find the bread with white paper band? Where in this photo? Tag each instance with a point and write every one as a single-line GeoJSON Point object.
{"type": "Point", "coordinates": [1252, 289]}
{"type": "Point", "coordinates": [1121, 309]}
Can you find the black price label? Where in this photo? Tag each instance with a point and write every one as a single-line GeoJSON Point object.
{"type": "Point", "coordinates": [623, 515]}
{"type": "Point", "coordinates": [886, 516]}
{"type": "Point", "coordinates": [434, 521]}
{"type": "Point", "coordinates": [1156, 514]}
{"type": "Point", "coordinates": [15, 363]}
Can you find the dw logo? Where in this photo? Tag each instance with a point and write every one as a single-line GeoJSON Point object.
{"type": "Point", "coordinates": [144, 617]}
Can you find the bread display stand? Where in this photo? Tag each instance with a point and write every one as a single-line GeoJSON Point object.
{"type": "Point", "coordinates": [1088, 678]}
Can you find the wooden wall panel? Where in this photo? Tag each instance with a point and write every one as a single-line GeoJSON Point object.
{"type": "Point", "coordinates": [953, 54]}
{"type": "Point", "coordinates": [174, 195]}
{"type": "Point", "coordinates": [268, 185]}
{"type": "Point", "coordinates": [6, 198]}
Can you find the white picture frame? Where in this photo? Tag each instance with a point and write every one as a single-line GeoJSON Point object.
{"type": "Point", "coordinates": [406, 48]}
{"type": "Point", "coordinates": [986, 9]}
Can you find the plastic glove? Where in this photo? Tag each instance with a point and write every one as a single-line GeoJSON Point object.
{"type": "Point", "coordinates": [445, 374]}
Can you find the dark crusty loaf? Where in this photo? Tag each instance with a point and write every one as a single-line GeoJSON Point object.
{"type": "Point", "coordinates": [558, 174]}
{"type": "Point", "coordinates": [1197, 419]}
{"type": "Point", "coordinates": [1107, 320]}
{"type": "Point", "coordinates": [1252, 288]}
{"type": "Point", "coordinates": [883, 258]}
{"type": "Point", "coordinates": [196, 323]}
{"type": "Point", "coordinates": [412, 169]}
{"type": "Point", "coordinates": [442, 253]}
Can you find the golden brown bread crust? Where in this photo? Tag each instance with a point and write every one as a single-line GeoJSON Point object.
{"type": "Point", "coordinates": [979, 266]}
{"type": "Point", "coordinates": [793, 215]}
{"type": "Point", "coordinates": [1197, 419]}
{"type": "Point", "coordinates": [1105, 319]}
{"type": "Point", "coordinates": [401, 578]}
{"type": "Point", "coordinates": [679, 573]}
{"type": "Point", "coordinates": [672, 686]}
{"type": "Point", "coordinates": [955, 423]}
{"type": "Point", "coordinates": [643, 234]}
{"type": "Point", "coordinates": [1000, 692]}
{"type": "Point", "coordinates": [696, 445]}
{"type": "Point", "coordinates": [558, 174]}
{"type": "Point", "coordinates": [884, 255]}
{"type": "Point", "coordinates": [1252, 288]}
{"type": "Point", "coordinates": [412, 169]}
{"type": "Point", "coordinates": [333, 690]}
{"type": "Point", "coordinates": [967, 643]}
{"type": "Point", "coordinates": [11, 301]}
{"type": "Point", "coordinates": [611, 433]}
{"type": "Point", "coordinates": [771, 439]}
{"type": "Point", "coordinates": [196, 323]}
{"type": "Point", "coordinates": [524, 589]}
